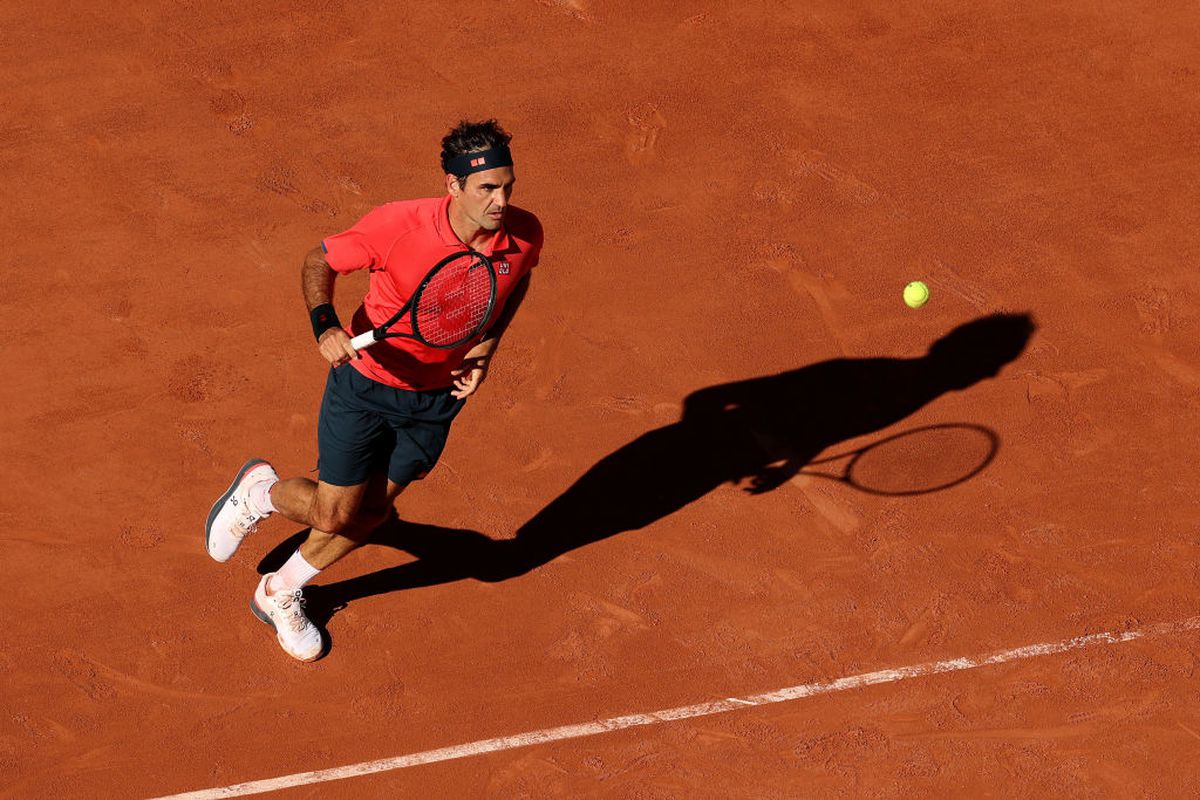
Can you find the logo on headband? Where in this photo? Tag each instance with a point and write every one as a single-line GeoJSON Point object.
{"type": "Point", "coordinates": [478, 161]}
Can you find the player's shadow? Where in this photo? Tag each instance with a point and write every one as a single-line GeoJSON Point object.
{"type": "Point", "coordinates": [758, 432]}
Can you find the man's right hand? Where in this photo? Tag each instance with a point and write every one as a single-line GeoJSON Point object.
{"type": "Point", "coordinates": [335, 347]}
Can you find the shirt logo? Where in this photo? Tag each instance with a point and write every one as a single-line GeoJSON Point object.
{"type": "Point", "coordinates": [502, 267]}
{"type": "Point", "coordinates": [478, 162]}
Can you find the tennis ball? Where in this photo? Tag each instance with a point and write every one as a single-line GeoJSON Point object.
{"type": "Point", "coordinates": [916, 294]}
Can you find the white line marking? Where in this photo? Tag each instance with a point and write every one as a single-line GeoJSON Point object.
{"type": "Point", "coordinates": [683, 712]}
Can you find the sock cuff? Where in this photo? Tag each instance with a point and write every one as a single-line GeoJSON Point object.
{"type": "Point", "coordinates": [293, 574]}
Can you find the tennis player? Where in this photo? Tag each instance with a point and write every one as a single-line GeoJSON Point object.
{"type": "Point", "coordinates": [387, 410]}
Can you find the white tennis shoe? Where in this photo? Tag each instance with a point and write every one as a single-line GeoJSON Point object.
{"type": "Point", "coordinates": [233, 517]}
{"type": "Point", "coordinates": [298, 637]}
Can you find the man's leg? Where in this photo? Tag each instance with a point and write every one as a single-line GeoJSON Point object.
{"type": "Point", "coordinates": [341, 518]}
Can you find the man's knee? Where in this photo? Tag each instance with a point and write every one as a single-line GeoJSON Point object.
{"type": "Point", "coordinates": [352, 512]}
{"type": "Point", "coordinates": [349, 521]}
{"type": "Point", "coordinates": [330, 518]}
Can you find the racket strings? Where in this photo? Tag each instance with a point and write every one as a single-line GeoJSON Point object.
{"type": "Point", "coordinates": [454, 304]}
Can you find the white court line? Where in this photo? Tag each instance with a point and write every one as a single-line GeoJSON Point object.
{"type": "Point", "coordinates": [683, 712]}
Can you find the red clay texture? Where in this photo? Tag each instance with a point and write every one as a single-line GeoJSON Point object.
{"type": "Point", "coordinates": [628, 516]}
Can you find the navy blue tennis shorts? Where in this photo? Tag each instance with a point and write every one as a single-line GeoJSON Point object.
{"type": "Point", "coordinates": [367, 428]}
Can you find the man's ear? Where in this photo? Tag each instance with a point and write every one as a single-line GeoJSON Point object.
{"type": "Point", "coordinates": [452, 185]}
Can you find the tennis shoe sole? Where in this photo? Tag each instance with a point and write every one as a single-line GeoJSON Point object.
{"type": "Point", "coordinates": [219, 523]}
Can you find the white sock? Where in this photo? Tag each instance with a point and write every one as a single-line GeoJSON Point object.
{"type": "Point", "coordinates": [260, 496]}
{"type": "Point", "coordinates": [292, 575]}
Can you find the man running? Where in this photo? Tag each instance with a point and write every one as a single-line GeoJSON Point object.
{"type": "Point", "coordinates": [387, 410]}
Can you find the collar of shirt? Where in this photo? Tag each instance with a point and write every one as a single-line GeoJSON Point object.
{"type": "Point", "coordinates": [500, 243]}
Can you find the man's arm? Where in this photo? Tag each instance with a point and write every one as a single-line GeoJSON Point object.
{"type": "Point", "coordinates": [316, 281]}
{"type": "Point", "coordinates": [475, 363]}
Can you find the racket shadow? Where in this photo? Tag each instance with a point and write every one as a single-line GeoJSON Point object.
{"type": "Point", "coordinates": [756, 433]}
{"type": "Point", "coordinates": [923, 460]}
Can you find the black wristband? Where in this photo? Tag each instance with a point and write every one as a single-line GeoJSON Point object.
{"type": "Point", "coordinates": [323, 317]}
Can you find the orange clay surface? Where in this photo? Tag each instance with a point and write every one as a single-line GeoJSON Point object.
{"type": "Point", "coordinates": [730, 191]}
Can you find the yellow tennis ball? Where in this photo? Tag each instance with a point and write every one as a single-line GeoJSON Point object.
{"type": "Point", "coordinates": [916, 294]}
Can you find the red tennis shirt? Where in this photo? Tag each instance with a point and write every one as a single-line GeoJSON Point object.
{"type": "Point", "coordinates": [399, 242]}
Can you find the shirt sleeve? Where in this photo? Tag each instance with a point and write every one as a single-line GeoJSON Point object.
{"type": "Point", "coordinates": [361, 245]}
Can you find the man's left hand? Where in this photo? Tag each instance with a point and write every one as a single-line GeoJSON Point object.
{"type": "Point", "coordinates": [468, 377]}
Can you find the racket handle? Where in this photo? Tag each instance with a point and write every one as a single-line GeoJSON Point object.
{"type": "Point", "coordinates": [364, 340]}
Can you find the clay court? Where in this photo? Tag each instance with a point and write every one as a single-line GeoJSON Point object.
{"type": "Point", "coordinates": [588, 597]}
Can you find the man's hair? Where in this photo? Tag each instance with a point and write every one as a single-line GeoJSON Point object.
{"type": "Point", "coordinates": [473, 137]}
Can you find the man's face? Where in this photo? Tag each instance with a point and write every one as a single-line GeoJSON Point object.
{"type": "Point", "coordinates": [484, 198]}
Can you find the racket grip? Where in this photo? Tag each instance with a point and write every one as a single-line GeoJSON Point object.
{"type": "Point", "coordinates": [364, 340]}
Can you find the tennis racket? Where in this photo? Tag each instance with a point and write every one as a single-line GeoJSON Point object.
{"type": "Point", "coordinates": [451, 305]}
{"type": "Point", "coordinates": [918, 461]}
